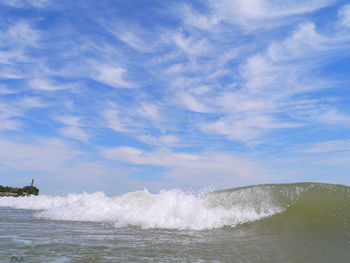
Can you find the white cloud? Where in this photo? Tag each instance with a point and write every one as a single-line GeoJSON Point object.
{"type": "Point", "coordinates": [303, 41]}
{"type": "Point", "coordinates": [11, 56]}
{"type": "Point", "coordinates": [46, 85]}
{"type": "Point", "coordinates": [267, 82]}
{"type": "Point", "coordinates": [30, 102]}
{"type": "Point", "coordinates": [75, 127]}
{"type": "Point", "coordinates": [247, 127]}
{"type": "Point", "coordinates": [69, 120]}
{"type": "Point", "coordinates": [198, 20]}
{"type": "Point", "coordinates": [344, 16]}
{"type": "Point", "coordinates": [133, 118]}
{"type": "Point", "coordinates": [113, 76]}
{"type": "Point", "coordinates": [25, 3]}
{"type": "Point", "coordinates": [263, 88]}
{"type": "Point", "coordinates": [130, 33]}
{"type": "Point", "coordinates": [132, 39]}
{"type": "Point", "coordinates": [76, 133]}
{"type": "Point", "coordinates": [192, 103]}
{"type": "Point", "coordinates": [8, 110]}
{"type": "Point", "coordinates": [7, 124]}
{"type": "Point", "coordinates": [255, 14]}
{"type": "Point", "coordinates": [199, 169]}
{"type": "Point", "coordinates": [165, 140]}
{"type": "Point", "coordinates": [327, 146]}
{"type": "Point", "coordinates": [225, 61]}
{"type": "Point", "coordinates": [55, 160]}
{"type": "Point", "coordinates": [322, 114]}
{"type": "Point", "coordinates": [271, 80]}
{"type": "Point", "coordinates": [46, 155]}
{"type": "Point", "coordinates": [284, 62]}
{"type": "Point", "coordinates": [114, 120]}
{"type": "Point", "coordinates": [149, 111]}
{"type": "Point", "coordinates": [332, 116]}
{"type": "Point", "coordinates": [10, 73]}
{"type": "Point", "coordinates": [190, 45]}
{"type": "Point", "coordinates": [4, 90]}
{"type": "Point", "coordinates": [238, 130]}
{"type": "Point", "coordinates": [22, 33]}
{"type": "Point", "coordinates": [14, 42]}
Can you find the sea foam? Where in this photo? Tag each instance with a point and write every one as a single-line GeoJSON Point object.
{"type": "Point", "coordinates": [172, 209]}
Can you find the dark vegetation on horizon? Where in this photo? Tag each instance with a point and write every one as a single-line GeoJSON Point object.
{"type": "Point", "coordinates": [16, 191]}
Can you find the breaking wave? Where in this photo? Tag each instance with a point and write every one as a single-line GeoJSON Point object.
{"type": "Point", "coordinates": [175, 209]}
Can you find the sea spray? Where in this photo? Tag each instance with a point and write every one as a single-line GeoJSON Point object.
{"type": "Point", "coordinates": [175, 209]}
{"type": "Point", "coordinates": [172, 209]}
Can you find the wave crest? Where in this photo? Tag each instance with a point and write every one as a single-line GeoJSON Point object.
{"type": "Point", "coordinates": [175, 209]}
{"type": "Point", "coordinates": [172, 209]}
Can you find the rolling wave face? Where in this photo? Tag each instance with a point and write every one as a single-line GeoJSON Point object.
{"type": "Point", "coordinates": [321, 208]}
{"type": "Point", "coordinates": [272, 205]}
{"type": "Point", "coordinates": [314, 227]}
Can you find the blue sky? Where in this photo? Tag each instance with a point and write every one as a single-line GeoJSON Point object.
{"type": "Point", "coordinates": [122, 95]}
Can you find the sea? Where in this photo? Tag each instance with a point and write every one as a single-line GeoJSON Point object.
{"type": "Point", "coordinates": [284, 223]}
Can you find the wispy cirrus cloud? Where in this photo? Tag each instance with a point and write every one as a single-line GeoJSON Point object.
{"type": "Point", "coordinates": [131, 34]}
{"type": "Point", "coordinates": [175, 89]}
{"type": "Point", "coordinates": [47, 85]}
{"type": "Point", "coordinates": [8, 124]}
{"type": "Point", "coordinates": [269, 82]}
{"type": "Point", "coordinates": [22, 34]}
{"type": "Point", "coordinates": [115, 120]}
{"type": "Point", "coordinates": [4, 90]}
{"type": "Point", "coordinates": [325, 147]}
{"type": "Point", "coordinates": [74, 127]}
{"type": "Point", "coordinates": [250, 15]}
{"type": "Point", "coordinates": [344, 16]}
{"type": "Point", "coordinates": [12, 112]}
{"type": "Point", "coordinates": [25, 3]}
{"type": "Point", "coordinates": [163, 140]}
{"type": "Point", "coordinates": [59, 161]}
{"type": "Point", "coordinates": [76, 133]}
{"type": "Point", "coordinates": [112, 75]}
{"type": "Point", "coordinates": [16, 40]}
{"type": "Point", "coordinates": [189, 167]}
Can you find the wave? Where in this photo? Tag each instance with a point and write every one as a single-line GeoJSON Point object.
{"type": "Point", "coordinates": [175, 209]}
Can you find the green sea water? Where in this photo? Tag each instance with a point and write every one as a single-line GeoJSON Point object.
{"type": "Point", "coordinates": [290, 223]}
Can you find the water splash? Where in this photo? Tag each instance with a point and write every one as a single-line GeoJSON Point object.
{"type": "Point", "coordinates": [172, 209]}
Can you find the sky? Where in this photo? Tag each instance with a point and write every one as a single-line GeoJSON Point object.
{"type": "Point", "coordinates": [118, 96]}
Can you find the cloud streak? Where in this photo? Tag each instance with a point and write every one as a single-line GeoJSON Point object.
{"type": "Point", "coordinates": [204, 93]}
{"type": "Point", "coordinates": [191, 168]}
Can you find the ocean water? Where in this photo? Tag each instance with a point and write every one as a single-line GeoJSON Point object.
{"type": "Point", "coordinates": [296, 223]}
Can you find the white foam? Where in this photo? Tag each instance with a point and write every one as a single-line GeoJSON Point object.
{"type": "Point", "coordinates": [172, 209]}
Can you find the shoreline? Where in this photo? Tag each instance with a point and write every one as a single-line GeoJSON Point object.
{"type": "Point", "coordinates": [8, 194]}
